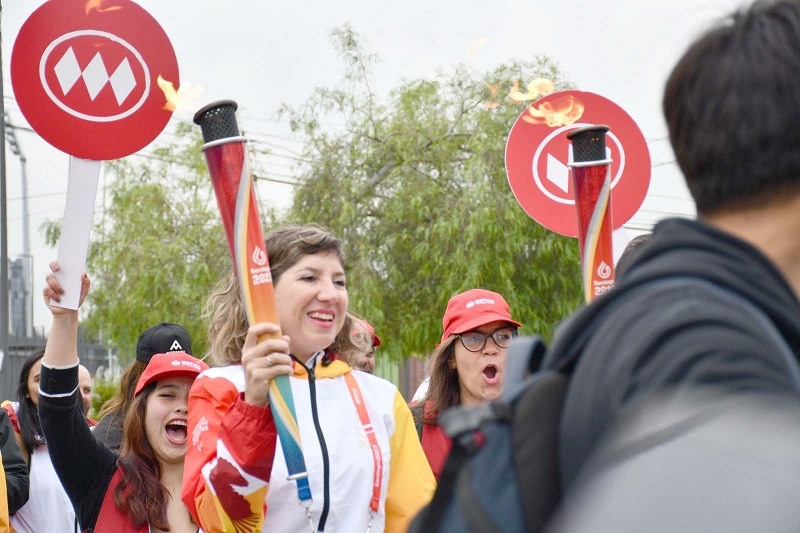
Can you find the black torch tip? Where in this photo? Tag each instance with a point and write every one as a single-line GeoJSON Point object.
{"type": "Point", "coordinates": [589, 143]}
{"type": "Point", "coordinates": [217, 120]}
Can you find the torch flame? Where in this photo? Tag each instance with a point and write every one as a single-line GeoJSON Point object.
{"type": "Point", "coordinates": [181, 100]}
{"type": "Point", "coordinates": [97, 5]}
{"type": "Point", "coordinates": [493, 89]}
{"type": "Point", "coordinates": [535, 89]}
{"type": "Point", "coordinates": [556, 113]}
{"type": "Point", "coordinates": [170, 94]}
{"type": "Point", "coordinates": [473, 46]}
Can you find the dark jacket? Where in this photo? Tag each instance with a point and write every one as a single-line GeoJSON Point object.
{"type": "Point", "coordinates": [14, 465]}
{"type": "Point", "coordinates": [643, 338]}
{"type": "Point", "coordinates": [109, 431]}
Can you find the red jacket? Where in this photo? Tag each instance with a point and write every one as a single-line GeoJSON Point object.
{"type": "Point", "coordinates": [435, 443]}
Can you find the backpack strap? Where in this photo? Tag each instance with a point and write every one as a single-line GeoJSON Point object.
{"type": "Point", "coordinates": [418, 411]}
{"type": "Point", "coordinates": [524, 357]}
{"type": "Point", "coordinates": [471, 507]}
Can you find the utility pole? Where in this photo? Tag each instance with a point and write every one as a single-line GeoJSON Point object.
{"type": "Point", "coordinates": [7, 380]}
{"type": "Point", "coordinates": [27, 261]}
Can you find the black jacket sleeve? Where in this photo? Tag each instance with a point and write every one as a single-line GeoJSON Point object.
{"type": "Point", "coordinates": [84, 465]}
{"type": "Point", "coordinates": [14, 465]}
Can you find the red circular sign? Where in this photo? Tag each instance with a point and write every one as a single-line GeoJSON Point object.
{"type": "Point", "coordinates": [93, 77]}
{"type": "Point", "coordinates": [538, 153]}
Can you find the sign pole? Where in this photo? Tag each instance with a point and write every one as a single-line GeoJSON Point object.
{"type": "Point", "coordinates": [74, 242]}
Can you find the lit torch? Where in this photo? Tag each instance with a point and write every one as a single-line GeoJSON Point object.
{"type": "Point", "coordinates": [226, 157]}
{"type": "Point", "coordinates": [590, 169]}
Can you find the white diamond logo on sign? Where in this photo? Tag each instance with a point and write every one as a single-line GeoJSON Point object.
{"type": "Point", "coordinates": [109, 68]}
{"type": "Point", "coordinates": [97, 80]}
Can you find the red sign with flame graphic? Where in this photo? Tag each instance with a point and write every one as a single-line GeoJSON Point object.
{"type": "Point", "coordinates": [538, 151]}
{"type": "Point", "coordinates": [94, 78]}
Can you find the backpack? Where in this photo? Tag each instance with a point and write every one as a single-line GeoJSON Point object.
{"type": "Point", "coordinates": [498, 447]}
{"type": "Point", "coordinates": [502, 474]}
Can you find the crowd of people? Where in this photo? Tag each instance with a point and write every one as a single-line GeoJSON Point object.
{"type": "Point", "coordinates": [704, 310]}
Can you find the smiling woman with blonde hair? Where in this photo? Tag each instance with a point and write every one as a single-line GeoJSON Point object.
{"type": "Point", "coordinates": [367, 471]}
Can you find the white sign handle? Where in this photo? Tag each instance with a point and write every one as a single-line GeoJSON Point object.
{"type": "Point", "coordinates": [76, 228]}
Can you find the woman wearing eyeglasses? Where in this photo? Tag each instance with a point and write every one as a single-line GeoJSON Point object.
{"type": "Point", "coordinates": [468, 366]}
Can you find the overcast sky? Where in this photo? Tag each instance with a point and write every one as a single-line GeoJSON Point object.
{"type": "Point", "coordinates": [262, 54]}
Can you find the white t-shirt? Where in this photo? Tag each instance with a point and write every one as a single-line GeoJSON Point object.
{"type": "Point", "coordinates": [48, 508]}
{"type": "Point", "coordinates": [421, 390]}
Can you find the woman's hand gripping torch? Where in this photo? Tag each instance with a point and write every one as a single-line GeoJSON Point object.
{"type": "Point", "coordinates": [226, 157]}
{"type": "Point", "coordinates": [589, 171]}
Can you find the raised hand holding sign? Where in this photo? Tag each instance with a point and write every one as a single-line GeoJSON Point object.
{"type": "Point", "coordinates": [91, 77]}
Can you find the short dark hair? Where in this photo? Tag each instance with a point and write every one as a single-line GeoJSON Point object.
{"type": "Point", "coordinates": [631, 252]}
{"type": "Point", "coordinates": [732, 106]}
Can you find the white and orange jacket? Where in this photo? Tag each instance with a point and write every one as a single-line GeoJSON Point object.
{"type": "Point", "coordinates": [235, 476]}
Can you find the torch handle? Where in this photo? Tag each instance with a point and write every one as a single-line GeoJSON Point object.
{"type": "Point", "coordinates": [233, 186]}
{"type": "Point", "coordinates": [593, 204]}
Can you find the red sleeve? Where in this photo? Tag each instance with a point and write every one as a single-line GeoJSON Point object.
{"type": "Point", "coordinates": [228, 439]}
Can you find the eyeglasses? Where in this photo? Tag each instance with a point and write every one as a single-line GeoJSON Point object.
{"type": "Point", "coordinates": [474, 341]}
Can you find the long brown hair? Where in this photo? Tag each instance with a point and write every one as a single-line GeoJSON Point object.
{"type": "Point", "coordinates": [140, 494]}
{"type": "Point", "coordinates": [121, 401]}
{"type": "Point", "coordinates": [443, 388]}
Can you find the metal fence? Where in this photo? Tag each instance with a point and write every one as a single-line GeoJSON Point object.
{"type": "Point", "coordinates": [91, 355]}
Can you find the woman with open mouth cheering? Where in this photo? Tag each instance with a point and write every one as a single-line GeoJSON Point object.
{"type": "Point", "coordinates": [139, 491]}
{"type": "Point", "coordinates": [467, 367]}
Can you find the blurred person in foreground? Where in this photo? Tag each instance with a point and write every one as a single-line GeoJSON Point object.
{"type": "Point", "coordinates": [367, 471]}
{"type": "Point", "coordinates": [164, 337]}
{"type": "Point", "coordinates": [708, 308]}
{"type": "Point", "coordinates": [467, 367]}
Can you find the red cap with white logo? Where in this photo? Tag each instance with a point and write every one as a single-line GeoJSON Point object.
{"type": "Point", "coordinates": [168, 365]}
{"type": "Point", "coordinates": [472, 309]}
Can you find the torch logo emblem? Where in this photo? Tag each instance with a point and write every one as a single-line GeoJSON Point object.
{"type": "Point", "coordinates": [98, 83]}
{"type": "Point", "coordinates": [259, 256]}
{"type": "Point", "coordinates": [604, 271]}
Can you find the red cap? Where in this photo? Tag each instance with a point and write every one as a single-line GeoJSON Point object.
{"type": "Point", "coordinates": [472, 309]}
{"type": "Point", "coordinates": [168, 365]}
{"type": "Point", "coordinates": [376, 341]}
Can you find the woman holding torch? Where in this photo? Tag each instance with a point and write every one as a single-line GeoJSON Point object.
{"type": "Point", "coordinates": [367, 470]}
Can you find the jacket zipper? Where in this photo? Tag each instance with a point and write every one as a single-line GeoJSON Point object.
{"type": "Point", "coordinates": [323, 448]}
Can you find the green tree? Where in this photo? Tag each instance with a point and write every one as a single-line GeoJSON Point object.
{"type": "Point", "coordinates": [416, 186]}
{"type": "Point", "coordinates": [157, 247]}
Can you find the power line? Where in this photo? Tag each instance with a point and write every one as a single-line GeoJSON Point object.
{"type": "Point", "coordinates": [45, 195]}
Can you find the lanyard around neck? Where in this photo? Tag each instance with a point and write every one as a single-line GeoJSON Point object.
{"type": "Point", "coordinates": [377, 457]}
